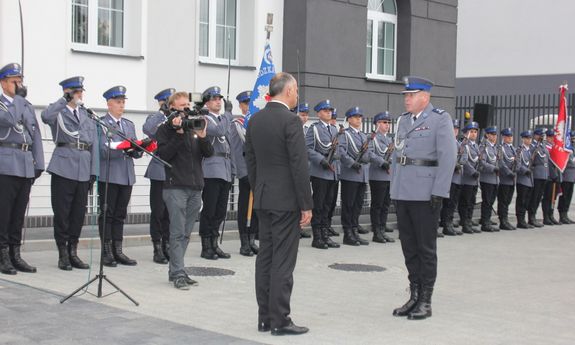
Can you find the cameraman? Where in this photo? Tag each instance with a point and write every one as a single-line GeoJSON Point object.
{"type": "Point", "coordinates": [184, 149]}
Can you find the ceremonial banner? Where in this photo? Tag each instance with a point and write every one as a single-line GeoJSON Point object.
{"type": "Point", "coordinates": [260, 95]}
{"type": "Point", "coordinates": [559, 153]}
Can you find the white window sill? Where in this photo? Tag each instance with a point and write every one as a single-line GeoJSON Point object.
{"type": "Point", "coordinates": [106, 51]}
{"type": "Point", "coordinates": [233, 65]}
{"type": "Point", "coordinates": [384, 78]}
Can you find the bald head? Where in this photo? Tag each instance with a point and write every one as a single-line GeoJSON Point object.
{"type": "Point", "coordinates": [283, 87]}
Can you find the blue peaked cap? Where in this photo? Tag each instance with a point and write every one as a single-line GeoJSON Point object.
{"type": "Point", "coordinates": [164, 94]}
{"type": "Point", "coordinates": [11, 70]}
{"type": "Point", "coordinates": [354, 111]}
{"type": "Point", "coordinates": [325, 104]}
{"type": "Point", "coordinates": [73, 83]}
{"type": "Point", "coordinates": [115, 92]}
{"type": "Point", "coordinates": [384, 116]}
{"type": "Point", "coordinates": [507, 132]}
{"type": "Point", "coordinates": [416, 84]}
{"type": "Point", "coordinates": [244, 96]}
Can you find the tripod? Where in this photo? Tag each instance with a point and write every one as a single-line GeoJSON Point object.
{"type": "Point", "coordinates": [100, 277]}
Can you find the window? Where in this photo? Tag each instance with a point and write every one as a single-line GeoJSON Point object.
{"type": "Point", "coordinates": [218, 30]}
{"type": "Point", "coordinates": [381, 44]}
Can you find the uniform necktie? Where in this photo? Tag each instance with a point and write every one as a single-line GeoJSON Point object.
{"type": "Point", "coordinates": [329, 130]}
{"type": "Point", "coordinates": [119, 123]}
{"type": "Point", "coordinates": [76, 115]}
{"type": "Point", "coordinates": [413, 118]}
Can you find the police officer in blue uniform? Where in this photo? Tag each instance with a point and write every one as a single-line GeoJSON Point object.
{"type": "Point", "coordinates": [426, 155]}
{"type": "Point", "coordinates": [323, 173]}
{"type": "Point", "coordinates": [540, 170]}
{"type": "Point", "coordinates": [524, 183]}
{"type": "Point", "coordinates": [469, 179]}
{"type": "Point", "coordinates": [218, 171]}
{"type": "Point", "coordinates": [552, 186]}
{"type": "Point", "coordinates": [302, 110]}
{"type": "Point", "coordinates": [120, 180]}
{"type": "Point", "coordinates": [159, 217]}
{"type": "Point", "coordinates": [450, 205]}
{"type": "Point", "coordinates": [489, 176]}
{"type": "Point", "coordinates": [74, 166]}
{"type": "Point", "coordinates": [507, 174]}
{"type": "Point", "coordinates": [355, 157]}
{"type": "Point", "coordinates": [567, 187]}
{"type": "Point", "coordinates": [21, 162]}
{"type": "Point", "coordinates": [335, 193]}
{"type": "Point", "coordinates": [381, 150]}
{"type": "Point", "coordinates": [248, 246]}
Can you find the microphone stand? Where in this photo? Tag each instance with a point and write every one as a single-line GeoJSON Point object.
{"type": "Point", "coordinates": [110, 131]}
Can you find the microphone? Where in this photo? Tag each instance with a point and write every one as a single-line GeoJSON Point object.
{"type": "Point", "coordinates": [88, 110]}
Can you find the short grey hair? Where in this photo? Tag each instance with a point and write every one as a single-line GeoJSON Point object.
{"type": "Point", "coordinates": [279, 82]}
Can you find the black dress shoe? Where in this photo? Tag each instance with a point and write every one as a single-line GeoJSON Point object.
{"type": "Point", "coordinates": [290, 329]}
{"type": "Point", "coordinates": [263, 327]}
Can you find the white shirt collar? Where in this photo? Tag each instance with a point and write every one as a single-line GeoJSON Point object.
{"type": "Point", "coordinates": [324, 123]}
{"type": "Point", "coordinates": [72, 109]}
{"type": "Point", "coordinates": [8, 97]}
{"type": "Point", "coordinates": [356, 130]}
{"type": "Point", "coordinates": [280, 102]}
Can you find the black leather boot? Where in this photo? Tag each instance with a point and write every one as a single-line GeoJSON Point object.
{"type": "Point", "coordinates": [547, 219]}
{"type": "Point", "coordinates": [254, 247]}
{"type": "Point", "coordinates": [304, 234]}
{"type": "Point", "coordinates": [349, 238]}
{"type": "Point", "coordinates": [219, 252]}
{"type": "Point", "coordinates": [411, 302]}
{"type": "Point", "coordinates": [564, 219]}
{"type": "Point", "coordinates": [318, 241]}
{"type": "Point", "coordinates": [377, 234]}
{"type": "Point", "coordinates": [422, 309]}
{"type": "Point", "coordinates": [107, 256]}
{"type": "Point", "coordinates": [521, 223]}
{"type": "Point", "coordinates": [64, 258]}
{"type": "Point", "coordinates": [388, 229]}
{"type": "Point", "coordinates": [466, 226]}
{"type": "Point", "coordinates": [74, 259]}
{"type": "Point", "coordinates": [487, 227]}
{"type": "Point", "coordinates": [505, 225]}
{"type": "Point", "coordinates": [331, 231]}
{"type": "Point", "coordinates": [159, 257]}
{"type": "Point", "coordinates": [6, 266]}
{"type": "Point", "coordinates": [553, 220]}
{"type": "Point", "coordinates": [361, 230]}
{"type": "Point", "coordinates": [439, 234]}
{"type": "Point", "coordinates": [531, 220]}
{"type": "Point", "coordinates": [166, 249]}
{"type": "Point", "coordinates": [245, 249]}
{"type": "Point", "coordinates": [361, 241]}
{"type": "Point", "coordinates": [448, 229]}
{"type": "Point", "coordinates": [385, 237]}
{"type": "Point", "coordinates": [207, 251]}
{"type": "Point", "coordinates": [328, 241]}
{"type": "Point", "coordinates": [17, 261]}
{"type": "Point", "coordinates": [119, 255]}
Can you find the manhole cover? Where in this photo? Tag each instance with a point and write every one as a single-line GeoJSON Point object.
{"type": "Point", "coordinates": [357, 268]}
{"type": "Point", "coordinates": [209, 271]}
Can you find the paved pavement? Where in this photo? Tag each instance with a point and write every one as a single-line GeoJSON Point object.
{"type": "Point", "coordinates": [511, 287]}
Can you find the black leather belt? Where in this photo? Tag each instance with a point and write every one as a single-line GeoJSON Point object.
{"type": "Point", "coordinates": [417, 162]}
{"type": "Point", "coordinates": [22, 147]}
{"type": "Point", "coordinates": [78, 146]}
{"type": "Point", "coordinates": [222, 154]}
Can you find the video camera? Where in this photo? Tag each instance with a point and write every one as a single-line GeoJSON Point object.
{"type": "Point", "coordinates": [192, 118]}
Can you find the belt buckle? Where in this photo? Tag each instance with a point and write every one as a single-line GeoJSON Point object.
{"type": "Point", "coordinates": [402, 160]}
{"type": "Point", "coordinates": [25, 147]}
{"type": "Point", "coordinates": [81, 146]}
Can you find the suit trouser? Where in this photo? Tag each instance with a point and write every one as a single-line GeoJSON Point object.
{"type": "Point", "coordinates": [547, 200]}
{"type": "Point", "coordinates": [536, 196]}
{"type": "Point", "coordinates": [243, 204]}
{"type": "Point", "coordinates": [69, 199]}
{"type": "Point", "coordinates": [565, 198]}
{"type": "Point", "coordinates": [467, 201]}
{"type": "Point", "coordinates": [279, 234]}
{"type": "Point", "coordinates": [522, 201]}
{"type": "Point", "coordinates": [488, 195]}
{"type": "Point", "coordinates": [13, 203]}
{"type": "Point", "coordinates": [159, 217]}
{"type": "Point", "coordinates": [215, 206]}
{"type": "Point", "coordinates": [504, 197]}
{"type": "Point", "coordinates": [451, 204]}
{"type": "Point", "coordinates": [117, 200]}
{"type": "Point", "coordinates": [379, 203]}
{"type": "Point", "coordinates": [184, 205]}
{"type": "Point", "coordinates": [417, 224]}
{"type": "Point", "coordinates": [322, 200]}
{"type": "Point", "coordinates": [333, 201]}
{"type": "Point", "coordinates": [352, 195]}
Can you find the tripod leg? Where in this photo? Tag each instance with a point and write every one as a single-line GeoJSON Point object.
{"type": "Point", "coordinates": [78, 289]}
{"type": "Point", "coordinates": [122, 291]}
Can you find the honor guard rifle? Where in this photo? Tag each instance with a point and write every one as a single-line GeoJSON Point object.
{"type": "Point", "coordinates": [333, 148]}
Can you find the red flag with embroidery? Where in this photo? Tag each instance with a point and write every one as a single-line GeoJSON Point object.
{"type": "Point", "coordinates": [558, 154]}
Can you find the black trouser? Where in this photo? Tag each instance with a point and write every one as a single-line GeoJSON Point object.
{"type": "Point", "coordinates": [352, 195]}
{"type": "Point", "coordinates": [214, 206]}
{"type": "Point", "coordinates": [467, 202]}
{"type": "Point", "coordinates": [279, 234]}
{"type": "Point", "coordinates": [159, 217]}
{"type": "Point", "coordinates": [322, 200]}
{"type": "Point", "coordinates": [565, 199]}
{"type": "Point", "coordinates": [536, 196]}
{"type": "Point", "coordinates": [69, 199]}
{"type": "Point", "coordinates": [13, 203]}
{"type": "Point", "coordinates": [547, 200]}
{"type": "Point", "coordinates": [243, 204]}
{"type": "Point", "coordinates": [504, 196]}
{"type": "Point", "coordinates": [118, 200]}
{"type": "Point", "coordinates": [522, 201]}
{"type": "Point", "coordinates": [417, 224]}
{"type": "Point", "coordinates": [333, 201]}
{"type": "Point", "coordinates": [488, 195]}
{"type": "Point", "coordinates": [451, 204]}
{"type": "Point", "coordinates": [379, 203]}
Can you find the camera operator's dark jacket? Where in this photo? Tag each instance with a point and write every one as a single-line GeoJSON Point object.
{"type": "Point", "coordinates": [185, 153]}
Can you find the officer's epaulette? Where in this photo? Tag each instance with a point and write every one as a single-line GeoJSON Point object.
{"type": "Point", "coordinates": [439, 111]}
{"type": "Point", "coordinates": [313, 124]}
{"type": "Point", "coordinates": [125, 119]}
{"type": "Point", "coordinates": [406, 113]}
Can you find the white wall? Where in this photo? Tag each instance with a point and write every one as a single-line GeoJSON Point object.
{"type": "Point", "coordinates": [515, 37]}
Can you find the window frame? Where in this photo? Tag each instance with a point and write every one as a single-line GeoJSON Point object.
{"type": "Point", "coordinates": [378, 17]}
{"type": "Point", "coordinates": [212, 35]}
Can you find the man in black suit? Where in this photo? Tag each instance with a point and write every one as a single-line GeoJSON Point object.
{"type": "Point", "coordinates": [276, 159]}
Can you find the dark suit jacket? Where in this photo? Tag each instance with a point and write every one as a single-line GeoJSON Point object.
{"type": "Point", "coordinates": [276, 158]}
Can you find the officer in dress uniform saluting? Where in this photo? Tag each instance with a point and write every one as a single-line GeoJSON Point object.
{"type": "Point", "coordinates": [552, 186]}
{"type": "Point", "coordinates": [21, 162]}
{"type": "Point", "coordinates": [425, 159]}
{"type": "Point", "coordinates": [540, 169]}
{"type": "Point", "coordinates": [489, 178]}
{"type": "Point", "coordinates": [524, 182]}
{"type": "Point", "coordinates": [159, 217]}
{"type": "Point", "coordinates": [354, 176]}
{"type": "Point", "coordinates": [567, 187]}
{"type": "Point", "coordinates": [450, 205]}
{"type": "Point", "coordinates": [73, 168]}
{"type": "Point", "coordinates": [323, 174]}
{"type": "Point", "coordinates": [507, 173]}
{"type": "Point", "coordinates": [120, 181]}
{"type": "Point", "coordinates": [469, 179]}
{"type": "Point", "coordinates": [381, 150]}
